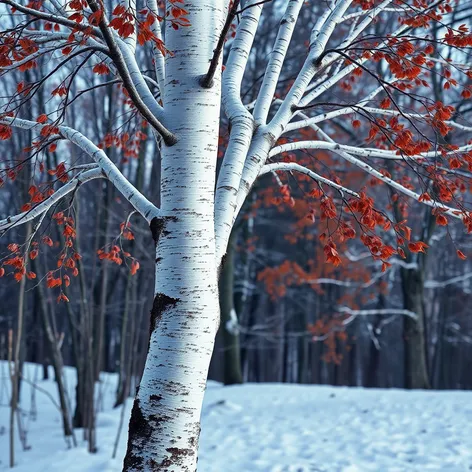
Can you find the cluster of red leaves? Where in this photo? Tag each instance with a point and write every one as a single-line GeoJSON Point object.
{"type": "Point", "coordinates": [122, 21]}
{"type": "Point", "coordinates": [60, 172]}
{"type": "Point", "coordinates": [405, 61]}
{"type": "Point", "coordinates": [332, 331]}
{"type": "Point", "coordinates": [16, 261]}
{"type": "Point", "coordinates": [328, 208]}
{"type": "Point", "coordinates": [129, 145]}
{"type": "Point", "coordinates": [331, 253]}
{"type": "Point", "coordinates": [5, 132]}
{"type": "Point", "coordinates": [289, 273]}
{"type": "Point", "coordinates": [176, 14]}
{"type": "Point", "coordinates": [101, 69]}
{"type": "Point", "coordinates": [368, 219]}
{"type": "Point", "coordinates": [60, 91]}
{"type": "Point", "coordinates": [422, 16]}
{"type": "Point", "coordinates": [14, 49]}
{"type": "Point", "coordinates": [36, 196]}
{"type": "Point", "coordinates": [125, 231]}
{"type": "Point", "coordinates": [67, 259]}
{"type": "Point", "coordinates": [285, 197]}
{"type": "Point", "coordinates": [277, 279]}
{"type": "Point", "coordinates": [145, 32]}
{"type": "Point", "coordinates": [366, 4]}
{"type": "Point", "coordinates": [17, 49]}
{"type": "Point", "coordinates": [114, 255]}
{"type": "Point", "coordinates": [439, 114]}
{"type": "Point", "coordinates": [460, 38]}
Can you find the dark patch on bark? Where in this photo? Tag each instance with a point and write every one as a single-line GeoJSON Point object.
{"type": "Point", "coordinates": [140, 433]}
{"type": "Point", "coordinates": [177, 454]}
{"type": "Point", "coordinates": [160, 304]}
{"type": "Point", "coordinates": [157, 227]}
{"type": "Point", "coordinates": [157, 420]}
{"type": "Point", "coordinates": [139, 428]}
{"type": "Point", "coordinates": [222, 264]}
{"type": "Point", "coordinates": [175, 451]}
{"type": "Point", "coordinates": [155, 398]}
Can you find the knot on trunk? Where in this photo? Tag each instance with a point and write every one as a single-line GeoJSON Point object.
{"type": "Point", "coordinates": [161, 303]}
{"type": "Point", "coordinates": [157, 227]}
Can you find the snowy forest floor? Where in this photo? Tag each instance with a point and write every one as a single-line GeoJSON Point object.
{"type": "Point", "coordinates": [266, 428]}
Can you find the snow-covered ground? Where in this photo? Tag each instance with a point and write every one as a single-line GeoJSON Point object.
{"type": "Point", "coordinates": [270, 428]}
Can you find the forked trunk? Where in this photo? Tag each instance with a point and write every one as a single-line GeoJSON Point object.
{"type": "Point", "coordinates": [165, 420]}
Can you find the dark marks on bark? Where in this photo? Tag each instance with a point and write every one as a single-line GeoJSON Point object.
{"type": "Point", "coordinates": [161, 303]}
{"type": "Point", "coordinates": [139, 428]}
{"type": "Point", "coordinates": [222, 264]}
{"type": "Point", "coordinates": [176, 456]}
{"type": "Point", "coordinates": [142, 430]}
{"type": "Point", "coordinates": [158, 225]}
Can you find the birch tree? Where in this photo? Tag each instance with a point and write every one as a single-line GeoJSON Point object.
{"type": "Point", "coordinates": [180, 101]}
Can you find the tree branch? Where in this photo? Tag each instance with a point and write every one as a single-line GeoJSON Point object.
{"type": "Point", "coordinates": [116, 55]}
{"type": "Point", "coordinates": [292, 166]}
{"type": "Point", "coordinates": [207, 80]}
{"type": "Point", "coordinates": [147, 209]}
{"type": "Point", "coordinates": [44, 206]}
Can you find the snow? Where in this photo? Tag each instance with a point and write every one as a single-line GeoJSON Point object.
{"type": "Point", "coordinates": [268, 428]}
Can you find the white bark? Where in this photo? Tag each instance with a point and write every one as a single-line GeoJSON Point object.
{"type": "Point", "coordinates": [159, 63]}
{"type": "Point", "coordinates": [165, 421]}
{"type": "Point", "coordinates": [242, 123]}
{"type": "Point", "coordinates": [276, 61]}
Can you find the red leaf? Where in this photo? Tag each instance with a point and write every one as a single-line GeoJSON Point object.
{"type": "Point", "coordinates": [101, 69]}
{"type": "Point", "coordinates": [95, 18]}
{"type": "Point", "coordinates": [127, 29]}
{"type": "Point", "coordinates": [62, 298]}
{"type": "Point", "coordinates": [5, 132]}
{"type": "Point", "coordinates": [119, 10]}
{"type": "Point", "coordinates": [419, 246]}
{"type": "Point", "coordinates": [134, 267]}
{"type": "Point", "coordinates": [48, 241]}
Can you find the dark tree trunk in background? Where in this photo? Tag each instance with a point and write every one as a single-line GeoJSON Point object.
{"type": "Point", "coordinates": [228, 328]}
{"type": "Point", "coordinates": [56, 358]}
{"type": "Point", "coordinates": [416, 366]}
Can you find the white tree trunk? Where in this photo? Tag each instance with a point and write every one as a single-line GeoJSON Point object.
{"type": "Point", "coordinates": [165, 421]}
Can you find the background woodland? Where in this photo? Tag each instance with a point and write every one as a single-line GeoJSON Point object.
{"type": "Point", "coordinates": [286, 315]}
